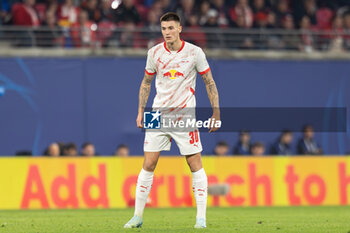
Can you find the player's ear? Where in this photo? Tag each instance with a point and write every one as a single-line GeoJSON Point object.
{"type": "Point", "coordinates": [180, 29]}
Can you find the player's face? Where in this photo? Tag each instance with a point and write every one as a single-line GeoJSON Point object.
{"type": "Point", "coordinates": [171, 31]}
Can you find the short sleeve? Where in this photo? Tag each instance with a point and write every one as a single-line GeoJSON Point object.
{"type": "Point", "coordinates": [202, 65]}
{"type": "Point", "coordinates": [150, 66]}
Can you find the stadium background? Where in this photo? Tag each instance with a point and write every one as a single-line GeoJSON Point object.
{"type": "Point", "coordinates": [92, 99]}
{"type": "Point", "coordinates": [90, 94]}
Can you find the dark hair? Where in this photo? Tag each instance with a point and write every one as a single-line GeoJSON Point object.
{"type": "Point", "coordinates": [170, 16]}
{"type": "Point", "coordinates": [308, 127]}
{"type": "Point", "coordinates": [286, 131]}
{"type": "Point", "coordinates": [222, 143]}
{"type": "Point", "coordinates": [120, 146]}
{"type": "Point", "coordinates": [243, 131]}
{"type": "Point", "coordinates": [70, 146]}
{"type": "Point", "coordinates": [258, 144]}
{"type": "Point", "coordinates": [24, 153]}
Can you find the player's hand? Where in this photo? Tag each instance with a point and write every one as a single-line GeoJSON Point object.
{"type": "Point", "coordinates": [139, 120]}
{"type": "Point", "coordinates": [214, 117]}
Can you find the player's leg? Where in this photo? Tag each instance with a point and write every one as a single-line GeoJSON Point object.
{"type": "Point", "coordinates": [200, 187]}
{"type": "Point", "coordinates": [190, 145]}
{"type": "Point", "coordinates": [194, 162]}
{"type": "Point", "coordinates": [155, 142]}
{"type": "Point", "coordinates": [143, 188]}
{"type": "Point", "coordinates": [144, 181]}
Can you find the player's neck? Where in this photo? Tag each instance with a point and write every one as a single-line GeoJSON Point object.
{"type": "Point", "coordinates": [175, 46]}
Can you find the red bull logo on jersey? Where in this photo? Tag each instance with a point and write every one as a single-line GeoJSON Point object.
{"type": "Point", "coordinates": [173, 74]}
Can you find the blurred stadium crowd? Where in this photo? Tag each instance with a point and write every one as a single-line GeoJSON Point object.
{"type": "Point", "coordinates": [318, 24]}
{"type": "Point", "coordinates": [283, 146]}
{"type": "Point", "coordinates": [57, 149]}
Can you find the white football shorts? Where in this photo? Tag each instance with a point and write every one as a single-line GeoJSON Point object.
{"type": "Point", "coordinates": [157, 140]}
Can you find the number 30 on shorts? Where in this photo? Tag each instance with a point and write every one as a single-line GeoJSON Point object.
{"type": "Point", "coordinates": [194, 136]}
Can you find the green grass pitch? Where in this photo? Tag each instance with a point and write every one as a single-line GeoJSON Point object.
{"type": "Point", "coordinates": [219, 220]}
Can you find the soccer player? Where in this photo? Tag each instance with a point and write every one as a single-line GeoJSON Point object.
{"type": "Point", "coordinates": [176, 64]}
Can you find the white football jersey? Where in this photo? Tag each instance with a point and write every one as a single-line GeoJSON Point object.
{"type": "Point", "coordinates": [176, 74]}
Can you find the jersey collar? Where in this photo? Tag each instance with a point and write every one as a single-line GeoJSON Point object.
{"type": "Point", "coordinates": [182, 46]}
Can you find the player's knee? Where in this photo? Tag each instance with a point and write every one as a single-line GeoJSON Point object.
{"type": "Point", "coordinates": [149, 165]}
{"type": "Point", "coordinates": [195, 167]}
{"type": "Point", "coordinates": [194, 162]}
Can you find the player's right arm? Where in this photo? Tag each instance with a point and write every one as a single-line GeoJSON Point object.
{"type": "Point", "coordinates": [145, 89]}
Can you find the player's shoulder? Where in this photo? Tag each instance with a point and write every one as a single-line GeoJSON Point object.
{"type": "Point", "coordinates": [193, 49]}
{"type": "Point", "coordinates": [192, 46]}
{"type": "Point", "coordinates": [156, 47]}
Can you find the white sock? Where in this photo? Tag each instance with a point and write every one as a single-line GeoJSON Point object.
{"type": "Point", "coordinates": [143, 188]}
{"type": "Point", "coordinates": [200, 188]}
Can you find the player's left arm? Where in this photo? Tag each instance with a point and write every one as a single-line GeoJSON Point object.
{"type": "Point", "coordinates": [213, 96]}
